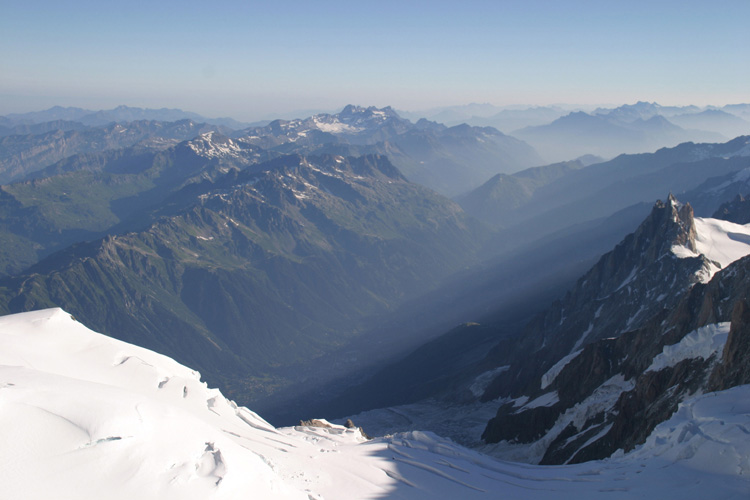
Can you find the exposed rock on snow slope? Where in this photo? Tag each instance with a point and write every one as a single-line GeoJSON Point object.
{"type": "Point", "coordinates": [675, 351]}
{"type": "Point", "coordinates": [92, 417]}
{"type": "Point", "coordinates": [721, 242]}
{"type": "Point", "coordinates": [638, 278]}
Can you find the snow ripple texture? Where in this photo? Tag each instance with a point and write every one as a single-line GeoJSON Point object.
{"type": "Point", "coordinates": [85, 416]}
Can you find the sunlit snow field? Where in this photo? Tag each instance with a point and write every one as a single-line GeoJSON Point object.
{"type": "Point", "coordinates": [86, 416]}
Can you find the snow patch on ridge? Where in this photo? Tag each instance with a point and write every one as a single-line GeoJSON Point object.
{"type": "Point", "coordinates": [547, 399]}
{"type": "Point", "coordinates": [700, 343]}
{"type": "Point", "coordinates": [553, 372]}
{"type": "Point", "coordinates": [741, 176]}
{"type": "Point", "coordinates": [602, 399]}
{"type": "Point", "coordinates": [720, 241]}
{"type": "Point", "coordinates": [335, 126]}
{"type": "Point", "coordinates": [483, 380]}
{"type": "Point", "coordinates": [205, 146]}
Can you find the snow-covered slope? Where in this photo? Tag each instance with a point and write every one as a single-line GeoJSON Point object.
{"type": "Point", "coordinates": [85, 416]}
{"type": "Point", "coordinates": [722, 242]}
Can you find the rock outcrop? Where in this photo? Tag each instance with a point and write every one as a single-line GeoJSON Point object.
{"type": "Point", "coordinates": [655, 339]}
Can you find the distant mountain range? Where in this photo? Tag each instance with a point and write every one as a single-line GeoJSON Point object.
{"type": "Point", "coordinates": [508, 119]}
{"type": "Point", "coordinates": [22, 155]}
{"type": "Point", "coordinates": [580, 133]}
{"type": "Point", "coordinates": [431, 153]}
{"type": "Point", "coordinates": [543, 200]}
{"type": "Point", "coordinates": [120, 114]}
{"type": "Point", "coordinates": [505, 119]}
{"type": "Point", "coordinates": [564, 133]}
{"type": "Point", "coordinates": [448, 160]}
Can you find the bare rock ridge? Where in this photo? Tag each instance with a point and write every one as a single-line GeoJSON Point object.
{"type": "Point", "coordinates": [737, 210]}
{"type": "Point", "coordinates": [637, 359]}
{"type": "Point", "coordinates": [609, 299]}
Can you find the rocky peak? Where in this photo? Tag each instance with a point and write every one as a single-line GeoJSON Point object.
{"type": "Point", "coordinates": [612, 393]}
{"type": "Point", "coordinates": [425, 124]}
{"type": "Point", "coordinates": [216, 146]}
{"type": "Point", "coordinates": [670, 223]}
{"type": "Point", "coordinates": [737, 210]}
{"type": "Point", "coordinates": [351, 111]}
{"type": "Point", "coordinates": [638, 279]}
{"type": "Point", "coordinates": [212, 144]}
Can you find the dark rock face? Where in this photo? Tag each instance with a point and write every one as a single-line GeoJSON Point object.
{"type": "Point", "coordinates": [649, 397]}
{"type": "Point", "coordinates": [636, 413]}
{"type": "Point", "coordinates": [638, 279]}
{"type": "Point", "coordinates": [737, 210]}
{"type": "Point", "coordinates": [603, 398]}
{"type": "Point", "coordinates": [735, 361]}
{"type": "Point", "coordinates": [523, 426]}
{"type": "Point", "coordinates": [315, 423]}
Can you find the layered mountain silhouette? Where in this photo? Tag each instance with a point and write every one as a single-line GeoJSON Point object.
{"type": "Point", "coordinates": [450, 160]}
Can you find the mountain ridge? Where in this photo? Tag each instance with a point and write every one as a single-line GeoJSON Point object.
{"type": "Point", "coordinates": [315, 232]}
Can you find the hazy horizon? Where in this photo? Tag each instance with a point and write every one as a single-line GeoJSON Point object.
{"type": "Point", "coordinates": [250, 60]}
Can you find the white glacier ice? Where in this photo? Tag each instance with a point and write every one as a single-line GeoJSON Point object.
{"type": "Point", "coordinates": [84, 416]}
{"type": "Point", "coordinates": [721, 241]}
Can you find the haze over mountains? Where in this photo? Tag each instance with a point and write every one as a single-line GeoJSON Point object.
{"type": "Point", "coordinates": [120, 114]}
{"type": "Point", "coordinates": [551, 312]}
{"type": "Point", "coordinates": [562, 133]}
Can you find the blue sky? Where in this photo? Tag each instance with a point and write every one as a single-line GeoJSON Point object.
{"type": "Point", "coordinates": [249, 59]}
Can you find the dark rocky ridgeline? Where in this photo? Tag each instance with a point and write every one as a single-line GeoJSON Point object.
{"type": "Point", "coordinates": [656, 394]}
{"type": "Point", "coordinates": [605, 397]}
{"type": "Point", "coordinates": [734, 369]}
{"type": "Point", "coordinates": [627, 286]}
{"type": "Point", "coordinates": [737, 210]}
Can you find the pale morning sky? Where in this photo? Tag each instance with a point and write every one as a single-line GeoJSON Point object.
{"type": "Point", "coordinates": [249, 59]}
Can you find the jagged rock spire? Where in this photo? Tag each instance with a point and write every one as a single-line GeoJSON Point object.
{"type": "Point", "coordinates": [683, 217]}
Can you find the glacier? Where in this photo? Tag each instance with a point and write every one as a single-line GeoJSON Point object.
{"type": "Point", "coordinates": [86, 416]}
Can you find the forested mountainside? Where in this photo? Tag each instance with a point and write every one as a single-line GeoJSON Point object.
{"type": "Point", "coordinates": [261, 267]}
